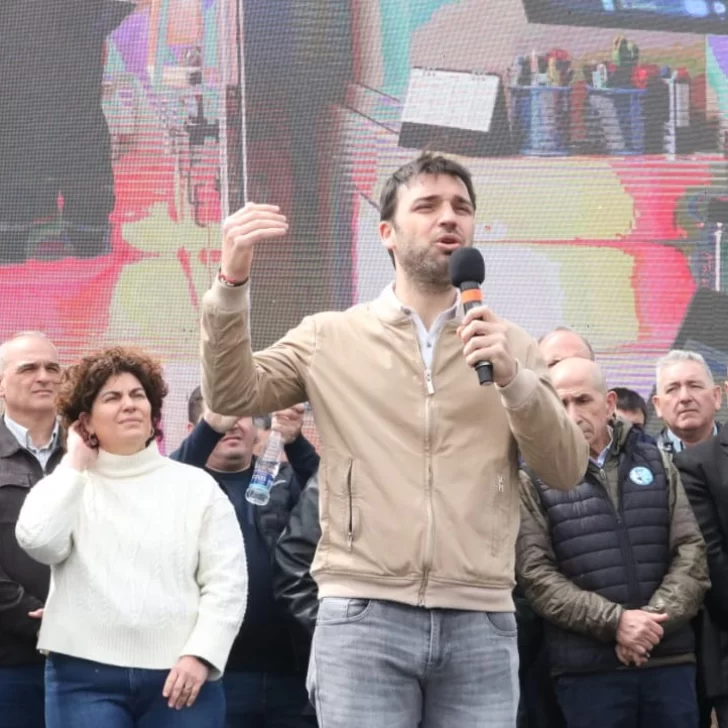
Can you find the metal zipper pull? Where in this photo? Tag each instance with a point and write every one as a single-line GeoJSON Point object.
{"type": "Point", "coordinates": [501, 484]}
{"type": "Point", "coordinates": [428, 382]}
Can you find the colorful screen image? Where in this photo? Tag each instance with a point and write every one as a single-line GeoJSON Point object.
{"type": "Point", "coordinates": [688, 16]}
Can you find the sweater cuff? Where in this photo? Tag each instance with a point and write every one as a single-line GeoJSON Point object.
{"type": "Point", "coordinates": [517, 392]}
{"type": "Point", "coordinates": [212, 642]}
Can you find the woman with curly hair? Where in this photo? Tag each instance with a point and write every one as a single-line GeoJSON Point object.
{"type": "Point", "coordinates": [149, 579]}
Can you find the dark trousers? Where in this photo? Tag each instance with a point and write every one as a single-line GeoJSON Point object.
{"type": "Point", "coordinates": [21, 697]}
{"type": "Point", "coordinates": [267, 700]}
{"type": "Point", "coordinates": [657, 697]}
{"type": "Point", "coordinates": [539, 707]}
{"type": "Point", "coordinates": [84, 694]}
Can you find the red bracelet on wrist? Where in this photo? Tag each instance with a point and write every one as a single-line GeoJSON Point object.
{"type": "Point", "coordinates": [229, 282]}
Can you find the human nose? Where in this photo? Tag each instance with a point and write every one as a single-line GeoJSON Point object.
{"type": "Point", "coordinates": [573, 413]}
{"type": "Point", "coordinates": [448, 218]}
{"type": "Point", "coordinates": [685, 394]}
{"type": "Point", "coordinates": [43, 375]}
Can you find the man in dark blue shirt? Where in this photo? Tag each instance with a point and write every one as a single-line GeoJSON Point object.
{"type": "Point", "coordinates": [265, 676]}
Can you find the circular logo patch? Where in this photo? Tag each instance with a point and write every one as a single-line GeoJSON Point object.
{"type": "Point", "coordinates": [641, 476]}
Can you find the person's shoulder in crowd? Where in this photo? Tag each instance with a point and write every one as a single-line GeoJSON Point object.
{"type": "Point", "coordinates": [707, 447]}
{"type": "Point", "coordinates": [190, 476]}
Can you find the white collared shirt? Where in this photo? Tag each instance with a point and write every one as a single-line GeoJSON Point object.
{"type": "Point", "coordinates": [427, 339]}
{"type": "Point", "coordinates": [21, 434]}
{"type": "Point", "coordinates": [599, 462]}
{"type": "Point", "coordinates": [677, 444]}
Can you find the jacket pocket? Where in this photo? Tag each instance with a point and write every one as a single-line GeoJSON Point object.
{"type": "Point", "coordinates": [350, 505]}
{"type": "Point", "coordinates": [339, 497]}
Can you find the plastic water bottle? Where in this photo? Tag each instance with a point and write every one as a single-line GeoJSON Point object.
{"type": "Point", "coordinates": [266, 469]}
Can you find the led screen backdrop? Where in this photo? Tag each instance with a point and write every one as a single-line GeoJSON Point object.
{"type": "Point", "coordinates": [684, 16]}
{"type": "Point", "coordinates": [596, 214]}
{"type": "Point", "coordinates": [598, 156]}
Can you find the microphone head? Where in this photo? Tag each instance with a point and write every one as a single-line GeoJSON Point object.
{"type": "Point", "coordinates": [467, 265]}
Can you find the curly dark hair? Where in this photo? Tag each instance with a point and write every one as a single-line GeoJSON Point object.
{"type": "Point", "coordinates": [82, 382]}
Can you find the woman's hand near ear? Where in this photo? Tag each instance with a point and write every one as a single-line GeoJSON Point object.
{"type": "Point", "coordinates": [80, 455]}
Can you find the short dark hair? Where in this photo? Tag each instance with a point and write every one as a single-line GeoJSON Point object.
{"type": "Point", "coordinates": [630, 401]}
{"type": "Point", "coordinates": [82, 382]}
{"type": "Point", "coordinates": [426, 163]}
{"type": "Point", "coordinates": [195, 406]}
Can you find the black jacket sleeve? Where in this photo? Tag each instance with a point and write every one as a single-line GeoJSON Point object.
{"type": "Point", "coordinates": [15, 600]}
{"type": "Point", "coordinates": [700, 474]}
{"type": "Point", "coordinates": [197, 446]}
{"type": "Point", "coordinates": [293, 585]}
{"type": "Point", "coordinates": [303, 458]}
{"type": "Point", "coordinates": [15, 604]}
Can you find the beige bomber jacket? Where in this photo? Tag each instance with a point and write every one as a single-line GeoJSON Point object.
{"type": "Point", "coordinates": [419, 487]}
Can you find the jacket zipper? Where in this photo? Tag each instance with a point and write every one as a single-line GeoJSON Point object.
{"type": "Point", "coordinates": [624, 545]}
{"type": "Point", "coordinates": [350, 530]}
{"type": "Point", "coordinates": [630, 563]}
{"type": "Point", "coordinates": [497, 539]}
{"type": "Point", "coordinates": [430, 537]}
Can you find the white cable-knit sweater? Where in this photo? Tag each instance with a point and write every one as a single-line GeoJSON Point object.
{"type": "Point", "coordinates": [147, 560]}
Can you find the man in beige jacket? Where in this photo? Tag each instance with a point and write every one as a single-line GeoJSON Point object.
{"type": "Point", "coordinates": [419, 481]}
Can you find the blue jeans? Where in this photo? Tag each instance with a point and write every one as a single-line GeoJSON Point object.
{"type": "Point", "coordinates": [266, 700]}
{"type": "Point", "coordinates": [82, 694]}
{"type": "Point", "coordinates": [379, 664]}
{"type": "Point", "coordinates": [635, 698]}
{"type": "Point", "coordinates": [21, 697]}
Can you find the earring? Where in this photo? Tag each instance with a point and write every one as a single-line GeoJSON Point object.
{"type": "Point", "coordinates": [93, 441]}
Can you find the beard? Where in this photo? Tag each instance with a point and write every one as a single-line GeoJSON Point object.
{"type": "Point", "coordinates": [425, 266]}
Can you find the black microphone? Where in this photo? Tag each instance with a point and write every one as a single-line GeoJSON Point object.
{"type": "Point", "coordinates": [467, 272]}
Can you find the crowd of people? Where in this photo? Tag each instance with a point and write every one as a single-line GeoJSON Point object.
{"type": "Point", "coordinates": [515, 554]}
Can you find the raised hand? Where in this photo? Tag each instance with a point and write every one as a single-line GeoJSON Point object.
{"type": "Point", "coordinates": [289, 422]}
{"type": "Point", "coordinates": [81, 452]}
{"type": "Point", "coordinates": [243, 230]}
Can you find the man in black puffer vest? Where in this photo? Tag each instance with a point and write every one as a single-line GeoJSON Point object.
{"type": "Point", "coordinates": [617, 568]}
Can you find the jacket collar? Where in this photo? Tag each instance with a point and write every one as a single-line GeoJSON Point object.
{"type": "Point", "coordinates": [723, 436]}
{"type": "Point", "coordinates": [390, 309]}
{"type": "Point", "coordinates": [666, 439]}
{"type": "Point", "coordinates": [620, 430]}
{"type": "Point", "coordinates": [9, 444]}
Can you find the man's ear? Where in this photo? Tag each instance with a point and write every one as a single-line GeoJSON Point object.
{"type": "Point", "coordinates": [611, 404]}
{"type": "Point", "coordinates": [387, 234]}
{"type": "Point", "coordinates": [656, 403]}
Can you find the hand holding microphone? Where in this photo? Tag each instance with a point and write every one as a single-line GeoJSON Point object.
{"type": "Point", "coordinates": [485, 340]}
